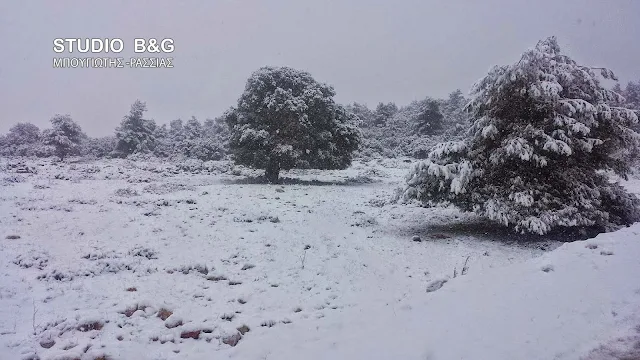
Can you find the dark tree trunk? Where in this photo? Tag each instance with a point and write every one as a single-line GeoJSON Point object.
{"type": "Point", "coordinates": [272, 171]}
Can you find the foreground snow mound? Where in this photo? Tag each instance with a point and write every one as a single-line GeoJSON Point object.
{"type": "Point", "coordinates": [581, 301]}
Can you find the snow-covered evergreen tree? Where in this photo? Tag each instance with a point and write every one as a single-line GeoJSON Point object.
{"type": "Point", "coordinates": [407, 132]}
{"type": "Point", "coordinates": [544, 135]}
{"type": "Point", "coordinates": [456, 99]}
{"type": "Point", "coordinates": [366, 116]}
{"type": "Point", "coordinates": [631, 94]}
{"type": "Point", "coordinates": [192, 129]}
{"type": "Point", "coordinates": [64, 136]}
{"type": "Point", "coordinates": [22, 139]}
{"type": "Point", "coordinates": [135, 134]}
{"type": "Point", "coordinates": [429, 120]}
{"type": "Point", "coordinates": [162, 146]}
{"type": "Point", "coordinates": [192, 132]}
{"type": "Point", "coordinates": [384, 112]}
{"type": "Point", "coordinates": [218, 130]}
{"type": "Point", "coordinates": [285, 119]}
{"type": "Point", "coordinates": [177, 138]}
{"type": "Point", "coordinates": [456, 118]}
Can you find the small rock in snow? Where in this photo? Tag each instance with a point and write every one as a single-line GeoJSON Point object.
{"type": "Point", "coordinates": [164, 314]}
{"type": "Point", "coordinates": [243, 329]}
{"type": "Point", "coordinates": [47, 343]}
{"type": "Point", "coordinates": [435, 285]}
{"type": "Point", "coordinates": [232, 340]}
{"type": "Point", "coordinates": [195, 334]}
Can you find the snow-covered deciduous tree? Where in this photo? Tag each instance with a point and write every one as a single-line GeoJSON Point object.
{"type": "Point", "coordinates": [285, 119]}
{"type": "Point", "coordinates": [64, 136]}
{"type": "Point", "coordinates": [135, 134]}
{"type": "Point", "coordinates": [544, 137]}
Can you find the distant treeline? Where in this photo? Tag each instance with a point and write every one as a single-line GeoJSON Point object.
{"type": "Point", "coordinates": [387, 131]}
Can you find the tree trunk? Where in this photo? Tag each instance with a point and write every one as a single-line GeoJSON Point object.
{"type": "Point", "coordinates": [272, 171]}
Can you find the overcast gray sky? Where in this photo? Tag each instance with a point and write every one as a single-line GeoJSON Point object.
{"type": "Point", "coordinates": [369, 50]}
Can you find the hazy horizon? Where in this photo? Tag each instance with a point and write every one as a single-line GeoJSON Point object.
{"type": "Point", "coordinates": [370, 51]}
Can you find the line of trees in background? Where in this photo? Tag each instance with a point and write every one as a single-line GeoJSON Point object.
{"type": "Point", "coordinates": [135, 135]}
{"type": "Point", "coordinates": [387, 131]}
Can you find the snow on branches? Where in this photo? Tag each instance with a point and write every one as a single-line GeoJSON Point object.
{"type": "Point", "coordinates": [545, 132]}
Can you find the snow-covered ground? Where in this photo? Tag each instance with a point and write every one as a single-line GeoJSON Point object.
{"type": "Point", "coordinates": [141, 260]}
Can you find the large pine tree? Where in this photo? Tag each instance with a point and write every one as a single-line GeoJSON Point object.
{"type": "Point", "coordinates": [545, 137]}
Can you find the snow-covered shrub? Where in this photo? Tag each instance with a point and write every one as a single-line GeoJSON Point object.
{"type": "Point", "coordinates": [190, 165]}
{"type": "Point", "coordinates": [140, 157]}
{"type": "Point", "coordinates": [363, 220]}
{"type": "Point", "coordinates": [98, 147]}
{"type": "Point", "coordinates": [126, 192]}
{"type": "Point", "coordinates": [143, 252]}
{"type": "Point", "coordinates": [14, 179]}
{"type": "Point", "coordinates": [206, 149]}
{"type": "Point", "coordinates": [34, 258]}
{"type": "Point", "coordinates": [167, 188]}
{"type": "Point", "coordinates": [93, 169]}
{"type": "Point", "coordinates": [542, 130]}
{"type": "Point", "coordinates": [217, 167]}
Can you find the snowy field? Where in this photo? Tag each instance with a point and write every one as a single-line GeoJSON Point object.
{"type": "Point", "coordinates": [119, 259]}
